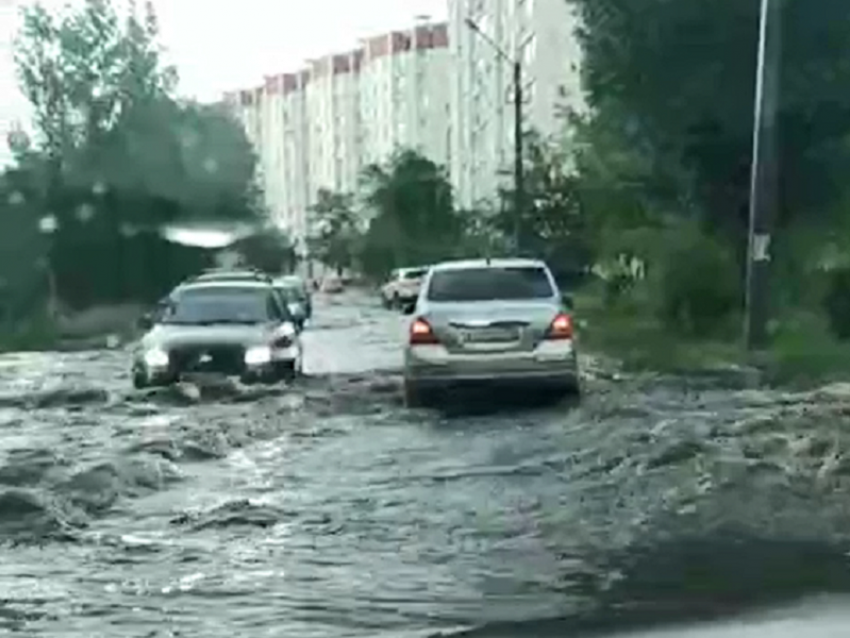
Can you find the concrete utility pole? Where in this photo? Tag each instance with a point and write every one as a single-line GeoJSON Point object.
{"type": "Point", "coordinates": [519, 173]}
{"type": "Point", "coordinates": [519, 177]}
{"type": "Point", "coordinates": [764, 178]}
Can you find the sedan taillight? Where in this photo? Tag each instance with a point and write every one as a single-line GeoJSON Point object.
{"type": "Point", "coordinates": [561, 327]}
{"type": "Point", "coordinates": [421, 333]}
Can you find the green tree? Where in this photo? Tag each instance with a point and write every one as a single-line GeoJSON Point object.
{"type": "Point", "coordinates": [553, 224]}
{"type": "Point", "coordinates": [24, 277]}
{"type": "Point", "coordinates": [270, 249]}
{"type": "Point", "coordinates": [83, 69]}
{"type": "Point", "coordinates": [414, 220]}
{"type": "Point", "coordinates": [121, 155]}
{"type": "Point", "coordinates": [667, 142]}
{"type": "Point", "coordinates": [336, 233]}
{"type": "Point", "coordinates": [678, 78]}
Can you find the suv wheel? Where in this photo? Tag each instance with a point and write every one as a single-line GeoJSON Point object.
{"type": "Point", "coordinates": [287, 371]}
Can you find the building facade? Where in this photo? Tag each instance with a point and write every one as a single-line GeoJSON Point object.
{"type": "Point", "coordinates": [540, 35]}
{"type": "Point", "coordinates": [404, 99]}
{"type": "Point", "coordinates": [333, 123]}
{"type": "Point", "coordinates": [319, 127]}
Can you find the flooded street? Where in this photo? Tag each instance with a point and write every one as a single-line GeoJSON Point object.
{"type": "Point", "coordinates": [328, 509]}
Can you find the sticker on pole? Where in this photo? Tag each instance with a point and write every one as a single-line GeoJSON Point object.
{"type": "Point", "coordinates": [761, 247]}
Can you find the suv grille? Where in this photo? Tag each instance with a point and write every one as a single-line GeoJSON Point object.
{"type": "Point", "coordinates": [209, 358]}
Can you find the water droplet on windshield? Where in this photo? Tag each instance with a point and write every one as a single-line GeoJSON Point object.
{"type": "Point", "coordinates": [48, 224]}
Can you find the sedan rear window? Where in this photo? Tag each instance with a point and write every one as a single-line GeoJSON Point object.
{"type": "Point", "coordinates": [485, 284]}
{"type": "Point", "coordinates": [414, 274]}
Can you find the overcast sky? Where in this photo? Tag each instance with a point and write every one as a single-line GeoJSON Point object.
{"type": "Point", "coordinates": [222, 45]}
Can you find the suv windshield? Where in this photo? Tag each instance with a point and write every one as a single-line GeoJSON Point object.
{"type": "Point", "coordinates": [222, 305]}
{"type": "Point", "coordinates": [484, 284]}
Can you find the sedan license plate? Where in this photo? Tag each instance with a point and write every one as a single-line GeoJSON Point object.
{"type": "Point", "coordinates": [491, 335]}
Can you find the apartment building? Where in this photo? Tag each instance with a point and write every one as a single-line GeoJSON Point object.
{"type": "Point", "coordinates": [274, 117]}
{"type": "Point", "coordinates": [540, 35]}
{"type": "Point", "coordinates": [404, 97]}
{"type": "Point", "coordinates": [333, 142]}
{"type": "Point", "coordinates": [282, 111]}
{"type": "Point", "coordinates": [317, 128]}
{"type": "Point", "coordinates": [245, 106]}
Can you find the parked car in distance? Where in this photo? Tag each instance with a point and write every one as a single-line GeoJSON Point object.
{"type": "Point", "coordinates": [331, 285]}
{"type": "Point", "coordinates": [297, 296]}
{"type": "Point", "coordinates": [231, 328]}
{"type": "Point", "coordinates": [494, 322]}
{"type": "Point", "coordinates": [402, 286]}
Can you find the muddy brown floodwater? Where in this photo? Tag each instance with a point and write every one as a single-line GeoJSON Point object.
{"type": "Point", "coordinates": [329, 510]}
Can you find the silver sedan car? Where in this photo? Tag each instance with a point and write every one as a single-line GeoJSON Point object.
{"type": "Point", "coordinates": [489, 321]}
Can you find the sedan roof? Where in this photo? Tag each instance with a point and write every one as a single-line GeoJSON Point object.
{"type": "Point", "coordinates": [501, 262]}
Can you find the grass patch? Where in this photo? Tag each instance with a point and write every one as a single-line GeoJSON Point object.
{"type": "Point", "coordinates": [37, 333]}
{"type": "Point", "coordinates": [802, 352]}
{"type": "Point", "coordinates": [633, 336]}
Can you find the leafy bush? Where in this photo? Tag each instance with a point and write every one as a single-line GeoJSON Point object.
{"type": "Point", "coordinates": [698, 286]}
{"type": "Point", "coordinates": [836, 303]}
{"type": "Point", "coordinates": [39, 332]}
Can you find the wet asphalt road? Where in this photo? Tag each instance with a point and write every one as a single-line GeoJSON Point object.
{"type": "Point", "coordinates": [328, 510]}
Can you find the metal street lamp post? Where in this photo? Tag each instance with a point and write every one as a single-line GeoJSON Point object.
{"type": "Point", "coordinates": [764, 175]}
{"type": "Point", "coordinates": [519, 186]}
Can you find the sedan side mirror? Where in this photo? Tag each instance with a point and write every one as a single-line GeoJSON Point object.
{"type": "Point", "coordinates": [568, 301]}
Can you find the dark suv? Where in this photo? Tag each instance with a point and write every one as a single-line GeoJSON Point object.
{"type": "Point", "coordinates": [235, 328]}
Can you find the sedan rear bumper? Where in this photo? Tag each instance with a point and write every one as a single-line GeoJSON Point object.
{"type": "Point", "coordinates": [513, 383]}
{"type": "Point", "coordinates": [551, 364]}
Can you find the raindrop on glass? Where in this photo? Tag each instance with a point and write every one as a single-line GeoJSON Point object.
{"type": "Point", "coordinates": [189, 139]}
{"type": "Point", "coordinates": [48, 224]}
{"type": "Point", "coordinates": [85, 213]}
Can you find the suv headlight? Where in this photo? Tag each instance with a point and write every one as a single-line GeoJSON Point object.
{"type": "Point", "coordinates": [258, 355]}
{"type": "Point", "coordinates": [156, 358]}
